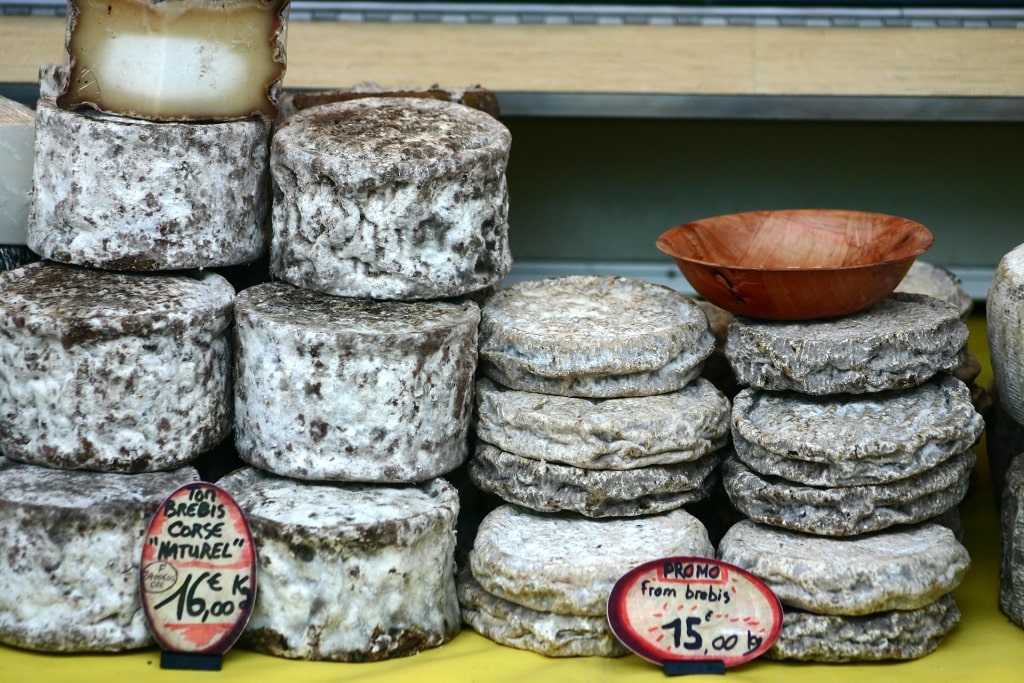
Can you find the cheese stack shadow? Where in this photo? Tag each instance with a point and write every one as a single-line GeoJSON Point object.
{"type": "Point", "coordinates": [593, 426]}
{"type": "Point", "coordinates": [853, 448]}
{"type": "Point", "coordinates": [354, 371]}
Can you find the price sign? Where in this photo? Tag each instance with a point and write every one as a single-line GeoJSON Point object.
{"type": "Point", "coordinates": [695, 609]}
{"type": "Point", "coordinates": [198, 572]}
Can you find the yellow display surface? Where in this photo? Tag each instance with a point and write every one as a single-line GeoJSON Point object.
{"type": "Point", "coordinates": [984, 646]}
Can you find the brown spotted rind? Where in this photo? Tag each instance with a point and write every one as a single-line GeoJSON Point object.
{"type": "Point", "coordinates": [853, 440]}
{"type": "Point", "coordinates": [611, 434]}
{"type": "Point", "coordinates": [546, 633]}
{"type": "Point", "coordinates": [848, 510]}
{"type": "Point", "coordinates": [903, 568]}
{"type": "Point", "coordinates": [113, 371]}
{"type": "Point", "coordinates": [70, 546]}
{"type": "Point", "coordinates": [332, 388]}
{"type": "Point", "coordinates": [1011, 565]}
{"type": "Point", "coordinates": [125, 194]}
{"type": "Point", "coordinates": [550, 487]}
{"type": "Point", "coordinates": [349, 572]}
{"type": "Point", "coordinates": [573, 328]}
{"type": "Point", "coordinates": [566, 564]}
{"type": "Point", "coordinates": [892, 635]}
{"type": "Point", "coordinates": [898, 343]}
{"type": "Point", "coordinates": [391, 198]}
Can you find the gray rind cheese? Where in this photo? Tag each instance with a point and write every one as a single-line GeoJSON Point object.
{"type": "Point", "coordinates": [927, 278]}
{"type": "Point", "coordinates": [110, 371]}
{"type": "Point", "coordinates": [568, 565]}
{"type": "Point", "coordinates": [70, 547]}
{"type": "Point", "coordinates": [892, 635]}
{"type": "Point", "coordinates": [852, 440]}
{"type": "Point", "coordinates": [546, 633]}
{"type": "Point", "coordinates": [1004, 312]}
{"type": "Point", "coordinates": [125, 194]}
{"type": "Point", "coordinates": [576, 328]}
{"type": "Point", "coordinates": [331, 388]}
{"type": "Point", "coordinates": [1011, 565]}
{"type": "Point", "coordinates": [896, 344]}
{"type": "Point", "coordinates": [848, 510]}
{"type": "Point", "coordinates": [349, 572]}
{"type": "Point", "coordinates": [550, 487]}
{"type": "Point", "coordinates": [391, 198]}
{"type": "Point", "coordinates": [611, 434]}
{"type": "Point", "coordinates": [902, 569]}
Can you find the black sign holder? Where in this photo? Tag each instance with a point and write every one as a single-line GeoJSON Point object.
{"type": "Point", "coordinates": [190, 661]}
{"type": "Point", "coordinates": [690, 666]}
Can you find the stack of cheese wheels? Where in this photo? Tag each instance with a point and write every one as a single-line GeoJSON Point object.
{"type": "Point", "coordinates": [354, 372]}
{"type": "Point", "coordinates": [593, 425]}
{"type": "Point", "coordinates": [115, 351]}
{"type": "Point", "coordinates": [850, 440]}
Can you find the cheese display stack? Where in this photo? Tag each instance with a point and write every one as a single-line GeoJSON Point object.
{"type": "Point", "coordinates": [115, 352]}
{"type": "Point", "coordinates": [354, 372]}
{"type": "Point", "coordinates": [593, 425]}
{"type": "Point", "coordinates": [850, 439]}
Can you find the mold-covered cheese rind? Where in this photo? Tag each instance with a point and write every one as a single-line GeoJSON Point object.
{"type": "Point", "coordinates": [123, 194]}
{"type": "Point", "coordinates": [391, 198]}
{"type": "Point", "coordinates": [112, 371]}
{"type": "Point", "coordinates": [70, 546]}
{"type": "Point", "coordinates": [349, 572]}
{"type": "Point", "coordinates": [331, 388]}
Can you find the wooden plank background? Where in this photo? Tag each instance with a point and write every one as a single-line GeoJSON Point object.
{"type": "Point", "coordinates": [728, 60]}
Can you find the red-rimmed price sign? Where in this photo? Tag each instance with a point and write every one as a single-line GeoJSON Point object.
{"type": "Point", "coordinates": [198, 572]}
{"type": "Point", "coordinates": [680, 609]}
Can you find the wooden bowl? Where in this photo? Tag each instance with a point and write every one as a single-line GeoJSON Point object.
{"type": "Point", "coordinates": [798, 264]}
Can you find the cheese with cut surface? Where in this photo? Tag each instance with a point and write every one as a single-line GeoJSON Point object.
{"type": "Point", "coordinates": [176, 60]}
{"type": "Point", "coordinates": [17, 131]}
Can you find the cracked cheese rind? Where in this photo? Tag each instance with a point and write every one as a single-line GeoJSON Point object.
{"type": "Point", "coordinates": [391, 198]}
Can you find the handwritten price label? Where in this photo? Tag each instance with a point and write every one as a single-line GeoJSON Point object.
{"type": "Point", "coordinates": [694, 609]}
{"type": "Point", "coordinates": [198, 571]}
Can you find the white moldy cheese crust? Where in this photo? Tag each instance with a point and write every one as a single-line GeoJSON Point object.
{"type": "Point", "coordinates": [612, 434]}
{"type": "Point", "coordinates": [567, 564]}
{"type": "Point", "coordinates": [391, 198]}
{"type": "Point", "coordinates": [113, 371]}
{"type": "Point", "coordinates": [124, 194]}
{"type": "Point", "coordinates": [331, 388]}
{"type": "Point", "coordinates": [70, 545]}
{"type": "Point", "coordinates": [586, 326]}
{"type": "Point", "coordinates": [903, 568]}
{"type": "Point", "coordinates": [349, 572]}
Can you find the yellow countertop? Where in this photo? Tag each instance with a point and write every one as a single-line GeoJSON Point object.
{"type": "Point", "coordinates": [984, 646]}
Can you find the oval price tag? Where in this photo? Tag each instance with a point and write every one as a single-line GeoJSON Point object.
{"type": "Point", "coordinates": [198, 571]}
{"type": "Point", "coordinates": [694, 609]}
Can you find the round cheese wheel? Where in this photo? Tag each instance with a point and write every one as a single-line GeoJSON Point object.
{"type": "Point", "coordinates": [109, 371]}
{"type": "Point", "coordinates": [332, 388]}
{"type": "Point", "coordinates": [391, 198]}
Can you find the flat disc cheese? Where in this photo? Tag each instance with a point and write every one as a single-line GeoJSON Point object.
{"type": "Point", "coordinates": [566, 564]}
{"type": "Point", "coordinates": [113, 371]}
{"type": "Point", "coordinates": [610, 434]}
{"type": "Point", "coordinates": [124, 194]}
{"type": "Point", "coordinates": [332, 388]}
{"type": "Point", "coordinates": [898, 343]}
{"type": "Point", "coordinates": [569, 330]}
{"type": "Point", "coordinates": [852, 440]}
{"type": "Point", "coordinates": [391, 198]}
{"type": "Point", "coordinates": [349, 572]}
{"type": "Point", "coordinates": [903, 568]}
{"type": "Point", "coordinates": [70, 546]}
